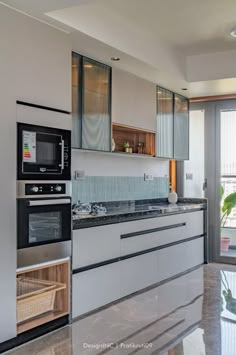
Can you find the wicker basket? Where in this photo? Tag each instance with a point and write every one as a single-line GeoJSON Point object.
{"type": "Point", "coordinates": [35, 297]}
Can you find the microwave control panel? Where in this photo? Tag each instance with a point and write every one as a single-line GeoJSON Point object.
{"type": "Point", "coordinates": [45, 189]}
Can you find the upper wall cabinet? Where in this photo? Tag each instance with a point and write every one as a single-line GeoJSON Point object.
{"type": "Point", "coordinates": [133, 100]}
{"type": "Point", "coordinates": [181, 128]}
{"type": "Point", "coordinates": [172, 125]}
{"type": "Point", "coordinates": [165, 124]}
{"type": "Point", "coordinates": [91, 103]}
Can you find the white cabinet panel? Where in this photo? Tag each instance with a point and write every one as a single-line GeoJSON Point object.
{"type": "Point", "coordinates": [192, 225]}
{"type": "Point", "coordinates": [133, 100]}
{"type": "Point", "coordinates": [144, 270]}
{"type": "Point", "coordinates": [93, 245]}
{"type": "Point", "coordinates": [179, 258]}
{"type": "Point", "coordinates": [137, 273]}
{"type": "Point", "coordinates": [94, 288]}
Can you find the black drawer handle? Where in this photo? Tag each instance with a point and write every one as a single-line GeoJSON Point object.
{"type": "Point", "coordinates": [148, 231]}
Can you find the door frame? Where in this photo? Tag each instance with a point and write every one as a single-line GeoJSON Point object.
{"type": "Point", "coordinates": [220, 106]}
{"type": "Point", "coordinates": [212, 111]}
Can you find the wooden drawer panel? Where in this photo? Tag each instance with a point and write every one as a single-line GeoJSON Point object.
{"type": "Point", "coordinates": [94, 245]}
{"type": "Point", "coordinates": [141, 235]}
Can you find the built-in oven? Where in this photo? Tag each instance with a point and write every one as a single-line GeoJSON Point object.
{"type": "Point", "coordinates": [43, 223]}
{"type": "Point", "coordinates": [43, 153]}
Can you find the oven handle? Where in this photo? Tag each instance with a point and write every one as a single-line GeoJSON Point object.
{"type": "Point", "coordinates": [62, 201]}
{"type": "Point", "coordinates": [62, 154]}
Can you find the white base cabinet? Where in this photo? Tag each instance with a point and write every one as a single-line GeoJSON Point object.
{"type": "Point", "coordinates": [179, 247]}
{"type": "Point", "coordinates": [147, 269]}
{"type": "Point", "coordinates": [94, 288]}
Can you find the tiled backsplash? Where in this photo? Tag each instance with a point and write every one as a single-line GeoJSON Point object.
{"type": "Point", "coordinates": [115, 188]}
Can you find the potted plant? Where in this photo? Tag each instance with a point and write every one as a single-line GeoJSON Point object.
{"type": "Point", "coordinates": [127, 147]}
{"type": "Point", "coordinates": [228, 204]}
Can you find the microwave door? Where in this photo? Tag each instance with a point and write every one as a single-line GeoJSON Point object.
{"type": "Point", "coordinates": [45, 156]}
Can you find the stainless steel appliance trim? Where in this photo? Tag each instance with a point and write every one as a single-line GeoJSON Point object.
{"type": "Point", "coordinates": [46, 263]}
{"type": "Point", "coordinates": [62, 153]}
{"type": "Point", "coordinates": [44, 253]}
{"type": "Point", "coordinates": [50, 202]}
{"type": "Point", "coordinates": [21, 188]}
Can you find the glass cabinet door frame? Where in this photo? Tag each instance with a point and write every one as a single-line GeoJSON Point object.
{"type": "Point", "coordinates": [81, 75]}
{"type": "Point", "coordinates": [174, 95]}
{"type": "Point", "coordinates": [174, 115]}
{"type": "Point", "coordinates": [158, 87]}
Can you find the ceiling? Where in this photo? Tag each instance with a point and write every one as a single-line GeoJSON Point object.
{"type": "Point", "coordinates": [175, 43]}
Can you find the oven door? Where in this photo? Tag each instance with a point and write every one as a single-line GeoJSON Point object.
{"type": "Point", "coordinates": [42, 221]}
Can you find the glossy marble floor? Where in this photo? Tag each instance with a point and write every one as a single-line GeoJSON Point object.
{"type": "Point", "coordinates": [194, 314]}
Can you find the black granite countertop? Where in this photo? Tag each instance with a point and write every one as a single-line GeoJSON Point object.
{"type": "Point", "coordinates": [124, 211]}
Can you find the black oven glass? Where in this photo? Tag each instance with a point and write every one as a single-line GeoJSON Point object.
{"type": "Point", "coordinates": [46, 153]}
{"type": "Point", "coordinates": [44, 226]}
{"type": "Point", "coordinates": [41, 223]}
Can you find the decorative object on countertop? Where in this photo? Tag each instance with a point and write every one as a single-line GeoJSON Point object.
{"type": "Point", "coordinates": [172, 197]}
{"type": "Point", "coordinates": [113, 145]}
{"type": "Point", "coordinates": [127, 147]}
{"type": "Point", "coordinates": [140, 147]}
{"type": "Point", "coordinates": [98, 209]}
{"type": "Point", "coordinates": [79, 208]}
{"type": "Point", "coordinates": [228, 204]}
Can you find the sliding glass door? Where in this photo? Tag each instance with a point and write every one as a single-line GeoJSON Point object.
{"type": "Point", "coordinates": [226, 179]}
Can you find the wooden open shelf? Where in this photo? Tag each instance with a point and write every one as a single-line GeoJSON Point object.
{"type": "Point", "coordinates": [122, 133]}
{"type": "Point", "coordinates": [56, 272]}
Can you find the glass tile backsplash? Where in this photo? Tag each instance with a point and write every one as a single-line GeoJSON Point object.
{"type": "Point", "coordinates": [116, 188]}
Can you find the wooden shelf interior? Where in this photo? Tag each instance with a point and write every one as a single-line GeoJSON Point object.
{"type": "Point", "coordinates": [122, 134]}
{"type": "Point", "coordinates": [59, 273]}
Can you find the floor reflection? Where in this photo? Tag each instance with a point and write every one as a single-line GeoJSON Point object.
{"type": "Point", "coordinates": [194, 314]}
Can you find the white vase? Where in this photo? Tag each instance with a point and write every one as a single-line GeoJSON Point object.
{"type": "Point", "coordinates": [172, 197]}
{"type": "Point", "coordinates": [113, 145]}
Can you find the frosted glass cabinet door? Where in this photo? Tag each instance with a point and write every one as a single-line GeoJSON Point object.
{"type": "Point", "coordinates": [181, 128]}
{"type": "Point", "coordinates": [165, 124]}
{"type": "Point", "coordinates": [76, 102]}
{"type": "Point", "coordinates": [96, 110]}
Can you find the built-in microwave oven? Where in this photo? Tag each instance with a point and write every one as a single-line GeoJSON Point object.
{"type": "Point", "coordinates": [43, 153]}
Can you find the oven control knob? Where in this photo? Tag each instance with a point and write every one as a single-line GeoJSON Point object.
{"type": "Point", "coordinates": [34, 189]}
{"type": "Point", "coordinates": [58, 188]}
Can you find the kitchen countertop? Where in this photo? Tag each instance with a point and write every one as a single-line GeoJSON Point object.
{"type": "Point", "coordinates": [124, 211]}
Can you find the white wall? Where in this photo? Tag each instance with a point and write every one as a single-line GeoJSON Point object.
{"type": "Point", "coordinates": [195, 166]}
{"type": "Point", "coordinates": [35, 66]}
{"type": "Point", "coordinates": [105, 164]}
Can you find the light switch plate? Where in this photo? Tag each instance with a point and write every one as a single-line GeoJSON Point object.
{"type": "Point", "coordinates": [79, 174]}
{"type": "Point", "coordinates": [189, 176]}
{"type": "Point", "coordinates": [148, 177]}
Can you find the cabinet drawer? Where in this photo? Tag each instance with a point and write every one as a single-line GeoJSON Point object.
{"type": "Point", "coordinates": [138, 272]}
{"type": "Point", "coordinates": [147, 269]}
{"type": "Point", "coordinates": [141, 235]}
{"type": "Point", "coordinates": [180, 258]}
{"type": "Point", "coordinates": [95, 288]}
{"type": "Point", "coordinates": [93, 245]}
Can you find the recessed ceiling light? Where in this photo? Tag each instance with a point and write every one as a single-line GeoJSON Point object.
{"type": "Point", "coordinates": [233, 32]}
{"type": "Point", "coordinates": [115, 59]}
{"type": "Point", "coordinates": [184, 89]}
